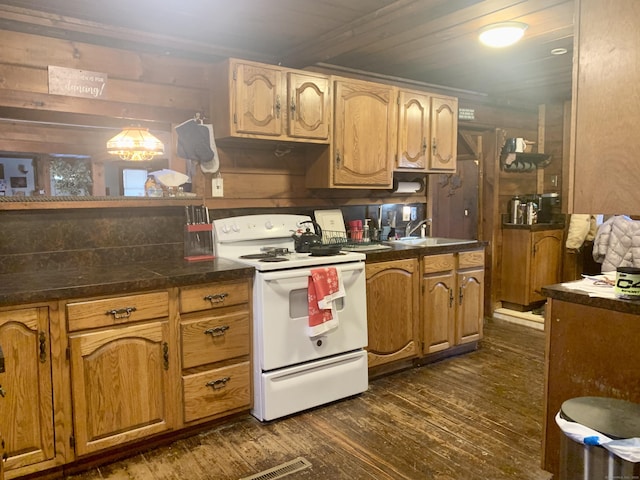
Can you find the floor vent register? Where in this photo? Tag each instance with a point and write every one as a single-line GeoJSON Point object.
{"type": "Point", "coordinates": [282, 470]}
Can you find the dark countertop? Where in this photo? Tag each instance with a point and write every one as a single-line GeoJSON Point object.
{"type": "Point", "coordinates": [536, 227]}
{"type": "Point", "coordinates": [52, 285]}
{"type": "Point", "coordinates": [560, 292]}
{"type": "Point", "coordinates": [42, 286]}
{"type": "Point", "coordinates": [401, 252]}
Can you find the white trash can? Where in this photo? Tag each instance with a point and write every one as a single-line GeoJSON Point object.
{"type": "Point", "coordinates": [601, 439]}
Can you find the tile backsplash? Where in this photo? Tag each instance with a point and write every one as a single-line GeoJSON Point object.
{"type": "Point", "coordinates": [34, 240]}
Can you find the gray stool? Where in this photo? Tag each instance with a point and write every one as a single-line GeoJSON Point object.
{"type": "Point", "coordinates": [614, 418]}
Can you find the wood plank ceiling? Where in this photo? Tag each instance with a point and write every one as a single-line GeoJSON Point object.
{"type": "Point", "coordinates": [430, 41]}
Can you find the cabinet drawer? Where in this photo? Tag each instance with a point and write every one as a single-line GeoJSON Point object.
{"type": "Point", "coordinates": [216, 391]}
{"type": "Point", "coordinates": [212, 339]}
{"type": "Point", "coordinates": [214, 295]}
{"type": "Point", "coordinates": [438, 263]}
{"type": "Point", "coordinates": [471, 259]}
{"type": "Point", "coordinates": [117, 310]}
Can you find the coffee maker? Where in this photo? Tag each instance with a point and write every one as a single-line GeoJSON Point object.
{"type": "Point", "coordinates": [548, 202]}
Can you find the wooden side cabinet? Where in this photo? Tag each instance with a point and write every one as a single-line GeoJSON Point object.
{"type": "Point", "coordinates": [453, 300]}
{"type": "Point", "coordinates": [531, 259]}
{"type": "Point", "coordinates": [392, 310]}
{"type": "Point", "coordinates": [121, 358]}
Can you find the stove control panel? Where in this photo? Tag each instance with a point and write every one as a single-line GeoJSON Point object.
{"type": "Point", "coordinates": [257, 227]}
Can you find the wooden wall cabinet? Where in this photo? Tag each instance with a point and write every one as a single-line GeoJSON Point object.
{"type": "Point", "coordinates": [215, 342]}
{"type": "Point", "coordinates": [121, 358]}
{"type": "Point", "coordinates": [531, 259]}
{"type": "Point", "coordinates": [26, 390]}
{"type": "Point", "coordinates": [427, 132]}
{"type": "Point", "coordinates": [453, 300]}
{"type": "Point", "coordinates": [603, 174]}
{"type": "Point", "coordinates": [362, 152]}
{"type": "Point", "coordinates": [254, 100]}
{"type": "Point", "coordinates": [393, 305]}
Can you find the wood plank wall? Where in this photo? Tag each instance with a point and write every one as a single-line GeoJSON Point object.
{"type": "Point", "coordinates": [162, 91]}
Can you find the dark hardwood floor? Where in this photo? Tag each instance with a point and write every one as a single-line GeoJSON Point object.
{"type": "Point", "coordinates": [475, 416]}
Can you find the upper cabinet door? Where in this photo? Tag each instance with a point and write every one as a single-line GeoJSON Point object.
{"type": "Point", "coordinates": [444, 134]}
{"type": "Point", "coordinates": [309, 108]}
{"type": "Point", "coordinates": [364, 134]}
{"type": "Point", "coordinates": [258, 99]}
{"type": "Point", "coordinates": [414, 134]}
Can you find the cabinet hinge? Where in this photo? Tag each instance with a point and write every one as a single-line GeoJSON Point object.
{"type": "Point", "coordinates": [235, 118]}
{"type": "Point", "coordinates": [72, 441]}
{"type": "Point", "coordinates": [234, 75]}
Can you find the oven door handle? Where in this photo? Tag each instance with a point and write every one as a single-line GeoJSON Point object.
{"type": "Point", "coordinates": [306, 272]}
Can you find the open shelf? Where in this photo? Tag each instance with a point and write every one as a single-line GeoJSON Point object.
{"type": "Point", "coordinates": [523, 162]}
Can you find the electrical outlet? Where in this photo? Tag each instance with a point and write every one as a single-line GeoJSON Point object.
{"type": "Point", "coordinates": [217, 187]}
{"type": "Point", "coordinates": [406, 213]}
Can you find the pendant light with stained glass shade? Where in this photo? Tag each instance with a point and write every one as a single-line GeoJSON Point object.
{"type": "Point", "coordinates": [135, 144]}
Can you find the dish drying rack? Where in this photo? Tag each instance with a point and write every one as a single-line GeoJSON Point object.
{"type": "Point", "coordinates": [354, 240]}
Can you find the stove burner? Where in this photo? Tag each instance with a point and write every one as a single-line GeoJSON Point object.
{"type": "Point", "coordinates": [257, 256]}
{"type": "Point", "coordinates": [267, 254]}
{"type": "Point", "coordinates": [275, 259]}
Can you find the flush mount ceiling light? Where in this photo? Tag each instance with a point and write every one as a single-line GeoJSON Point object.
{"type": "Point", "coordinates": [558, 51]}
{"type": "Point", "coordinates": [135, 143]}
{"type": "Point", "coordinates": [502, 34]}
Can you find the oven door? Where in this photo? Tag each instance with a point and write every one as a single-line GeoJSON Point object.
{"type": "Point", "coordinates": [280, 320]}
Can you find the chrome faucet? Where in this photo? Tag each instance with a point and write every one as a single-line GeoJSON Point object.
{"type": "Point", "coordinates": [409, 228]}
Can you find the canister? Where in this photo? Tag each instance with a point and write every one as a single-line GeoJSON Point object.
{"type": "Point", "coordinates": [628, 283]}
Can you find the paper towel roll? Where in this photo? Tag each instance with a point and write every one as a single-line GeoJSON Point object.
{"type": "Point", "coordinates": [408, 187]}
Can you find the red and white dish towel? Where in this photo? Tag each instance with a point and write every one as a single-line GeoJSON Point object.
{"type": "Point", "coordinates": [325, 286]}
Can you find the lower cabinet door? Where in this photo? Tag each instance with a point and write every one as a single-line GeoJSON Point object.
{"type": "Point", "coordinates": [216, 391]}
{"type": "Point", "coordinates": [470, 298]}
{"type": "Point", "coordinates": [26, 393]}
{"type": "Point", "coordinates": [439, 312]}
{"type": "Point", "coordinates": [120, 383]}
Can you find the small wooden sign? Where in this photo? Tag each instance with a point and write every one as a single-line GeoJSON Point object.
{"type": "Point", "coordinates": [77, 83]}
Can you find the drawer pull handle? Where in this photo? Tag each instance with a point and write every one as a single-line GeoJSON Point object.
{"type": "Point", "coordinates": [219, 383]}
{"type": "Point", "coordinates": [121, 312]}
{"type": "Point", "coordinates": [217, 331]}
{"type": "Point", "coordinates": [216, 297]}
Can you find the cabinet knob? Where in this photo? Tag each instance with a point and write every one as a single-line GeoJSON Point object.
{"type": "Point", "coordinates": [3, 392]}
{"type": "Point", "coordinates": [293, 107]}
{"type": "Point", "coordinates": [424, 145]}
{"type": "Point", "coordinates": [42, 340]}
{"type": "Point", "coordinates": [338, 159]}
{"type": "Point", "coordinates": [277, 106]}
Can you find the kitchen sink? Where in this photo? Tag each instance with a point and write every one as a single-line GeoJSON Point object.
{"type": "Point", "coordinates": [431, 241]}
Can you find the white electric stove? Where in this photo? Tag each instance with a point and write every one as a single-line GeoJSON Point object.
{"type": "Point", "coordinates": [291, 370]}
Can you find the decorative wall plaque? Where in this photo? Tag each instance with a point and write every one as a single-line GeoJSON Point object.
{"type": "Point", "coordinates": [77, 83]}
